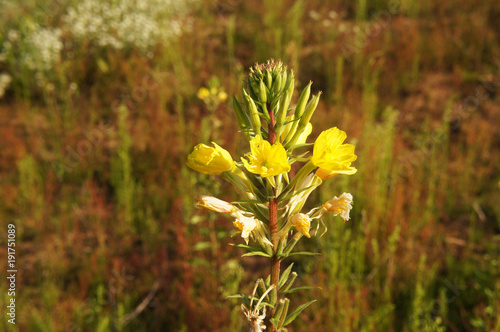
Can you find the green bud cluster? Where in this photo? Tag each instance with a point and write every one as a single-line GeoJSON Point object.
{"type": "Point", "coordinates": [267, 95]}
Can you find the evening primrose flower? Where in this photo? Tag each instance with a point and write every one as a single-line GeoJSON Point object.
{"type": "Point", "coordinates": [208, 160]}
{"type": "Point", "coordinates": [245, 225]}
{"type": "Point", "coordinates": [340, 205]}
{"type": "Point", "coordinates": [330, 155]}
{"type": "Point", "coordinates": [266, 160]}
{"type": "Point", "coordinates": [302, 223]}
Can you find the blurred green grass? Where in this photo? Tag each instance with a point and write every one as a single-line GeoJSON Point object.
{"type": "Point", "coordinates": [103, 202]}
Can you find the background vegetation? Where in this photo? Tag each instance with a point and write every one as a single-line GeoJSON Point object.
{"type": "Point", "coordinates": [100, 109]}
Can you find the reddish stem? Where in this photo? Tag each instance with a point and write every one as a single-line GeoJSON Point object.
{"type": "Point", "coordinates": [273, 223]}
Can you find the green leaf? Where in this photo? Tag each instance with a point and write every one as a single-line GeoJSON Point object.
{"type": "Point", "coordinates": [291, 290]}
{"type": "Point", "coordinates": [290, 318]}
{"type": "Point", "coordinates": [244, 246]}
{"type": "Point", "coordinates": [247, 201]}
{"type": "Point", "coordinates": [284, 276]}
{"type": "Point", "coordinates": [256, 253]}
{"type": "Point", "coordinates": [237, 296]}
{"type": "Point", "coordinates": [305, 253]}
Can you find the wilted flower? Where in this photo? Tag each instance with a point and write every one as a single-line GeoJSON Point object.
{"type": "Point", "coordinates": [208, 160]}
{"type": "Point", "coordinates": [302, 223]}
{"type": "Point", "coordinates": [215, 204]}
{"type": "Point", "coordinates": [266, 160]}
{"type": "Point", "coordinates": [331, 155]}
{"type": "Point", "coordinates": [246, 225]}
{"type": "Point", "coordinates": [340, 205]}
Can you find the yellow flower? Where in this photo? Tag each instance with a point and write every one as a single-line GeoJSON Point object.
{"type": "Point", "coordinates": [265, 159]}
{"type": "Point", "coordinates": [222, 96]}
{"type": "Point", "coordinates": [302, 223]}
{"type": "Point", "coordinates": [215, 204]}
{"type": "Point", "coordinates": [203, 93]}
{"type": "Point", "coordinates": [208, 160]}
{"type": "Point", "coordinates": [246, 225]}
{"type": "Point", "coordinates": [331, 155]}
{"type": "Point", "coordinates": [340, 205]}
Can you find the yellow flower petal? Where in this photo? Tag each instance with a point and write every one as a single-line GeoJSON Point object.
{"type": "Point", "coordinates": [331, 155]}
{"type": "Point", "coordinates": [266, 160]}
{"type": "Point", "coordinates": [208, 160]}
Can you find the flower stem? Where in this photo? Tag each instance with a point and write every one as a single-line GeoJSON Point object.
{"type": "Point", "coordinates": [273, 225]}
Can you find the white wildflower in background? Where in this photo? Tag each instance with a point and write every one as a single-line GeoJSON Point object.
{"type": "Point", "coordinates": [44, 48]}
{"type": "Point", "coordinates": [127, 23]}
{"type": "Point", "coordinates": [5, 80]}
{"type": "Point", "coordinates": [34, 50]}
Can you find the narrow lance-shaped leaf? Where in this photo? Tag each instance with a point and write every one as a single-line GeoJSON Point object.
{"type": "Point", "coordinates": [284, 276]}
{"type": "Point", "coordinates": [290, 318]}
{"type": "Point", "coordinates": [242, 118]}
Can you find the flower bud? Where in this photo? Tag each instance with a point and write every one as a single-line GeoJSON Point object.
{"type": "Point", "coordinates": [254, 113]}
{"type": "Point", "coordinates": [262, 92]}
{"type": "Point", "coordinates": [299, 110]}
{"type": "Point", "coordinates": [281, 116]}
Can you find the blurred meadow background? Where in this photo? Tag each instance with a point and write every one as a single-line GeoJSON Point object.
{"type": "Point", "coordinates": [101, 103]}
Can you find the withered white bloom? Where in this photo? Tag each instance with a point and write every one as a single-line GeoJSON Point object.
{"type": "Point", "coordinates": [254, 317]}
{"type": "Point", "coordinates": [340, 205]}
{"type": "Point", "coordinates": [302, 223]}
{"type": "Point", "coordinates": [214, 204]}
{"type": "Point", "coordinates": [246, 225]}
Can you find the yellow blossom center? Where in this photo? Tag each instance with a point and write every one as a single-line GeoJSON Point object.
{"type": "Point", "coordinates": [266, 159]}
